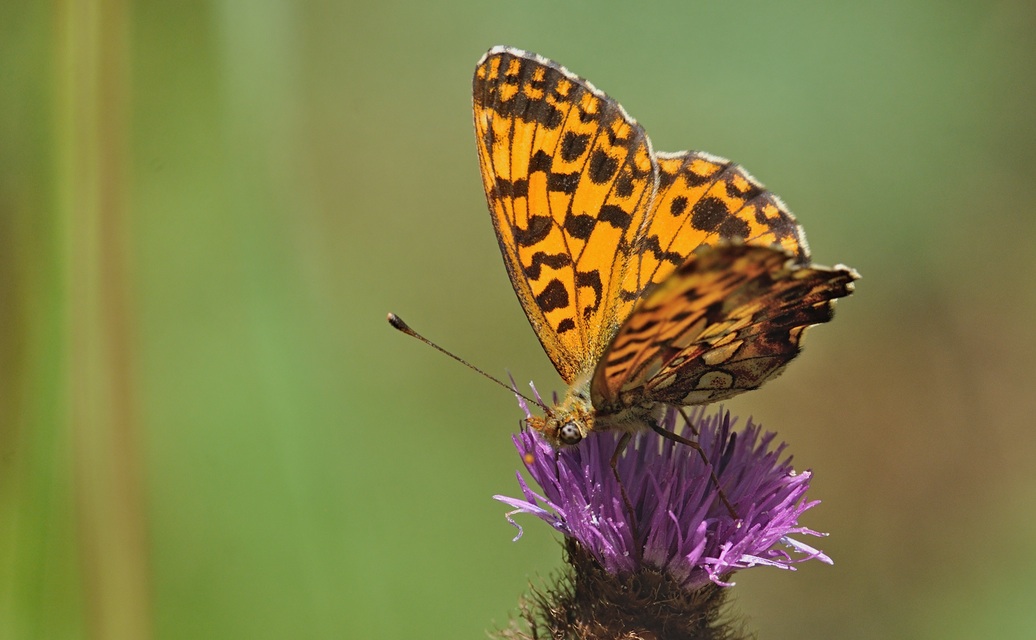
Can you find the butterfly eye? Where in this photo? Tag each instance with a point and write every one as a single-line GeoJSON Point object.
{"type": "Point", "coordinates": [569, 434]}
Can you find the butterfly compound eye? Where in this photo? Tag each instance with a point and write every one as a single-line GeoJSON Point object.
{"type": "Point", "coordinates": [569, 434]}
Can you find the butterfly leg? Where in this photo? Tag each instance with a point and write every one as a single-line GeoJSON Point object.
{"type": "Point", "coordinates": [697, 447]}
{"type": "Point", "coordinates": [619, 448]}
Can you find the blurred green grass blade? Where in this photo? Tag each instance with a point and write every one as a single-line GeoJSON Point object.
{"type": "Point", "coordinates": [94, 176]}
{"type": "Point", "coordinates": [40, 595]}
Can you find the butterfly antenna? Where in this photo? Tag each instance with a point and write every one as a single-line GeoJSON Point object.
{"type": "Point", "coordinates": [397, 323]}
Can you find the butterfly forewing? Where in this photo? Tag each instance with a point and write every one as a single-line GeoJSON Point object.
{"type": "Point", "coordinates": [728, 320]}
{"type": "Point", "coordinates": [705, 200]}
{"type": "Point", "coordinates": [568, 177]}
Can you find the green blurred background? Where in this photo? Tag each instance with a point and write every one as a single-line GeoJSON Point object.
{"type": "Point", "coordinates": [207, 429]}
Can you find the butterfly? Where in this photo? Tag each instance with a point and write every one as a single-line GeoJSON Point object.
{"type": "Point", "coordinates": [651, 279]}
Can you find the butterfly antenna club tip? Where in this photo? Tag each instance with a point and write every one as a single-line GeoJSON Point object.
{"type": "Point", "coordinates": [398, 323]}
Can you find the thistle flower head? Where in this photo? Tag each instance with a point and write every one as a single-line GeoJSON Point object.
{"type": "Point", "coordinates": [674, 523]}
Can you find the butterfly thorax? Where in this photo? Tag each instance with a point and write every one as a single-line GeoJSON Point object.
{"type": "Point", "coordinates": [575, 417]}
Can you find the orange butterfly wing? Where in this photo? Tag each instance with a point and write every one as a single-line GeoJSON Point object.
{"type": "Point", "coordinates": [726, 321]}
{"type": "Point", "coordinates": [568, 176]}
{"type": "Point", "coordinates": [705, 200]}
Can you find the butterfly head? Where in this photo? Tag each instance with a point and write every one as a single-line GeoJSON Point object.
{"type": "Point", "coordinates": [566, 424]}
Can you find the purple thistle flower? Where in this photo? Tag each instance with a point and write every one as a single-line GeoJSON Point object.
{"type": "Point", "coordinates": [682, 529]}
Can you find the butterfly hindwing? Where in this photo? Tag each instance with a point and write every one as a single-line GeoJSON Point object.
{"type": "Point", "coordinates": [729, 319]}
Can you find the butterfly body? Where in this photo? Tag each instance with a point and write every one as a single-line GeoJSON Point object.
{"type": "Point", "coordinates": [575, 417]}
{"type": "Point", "coordinates": [651, 279]}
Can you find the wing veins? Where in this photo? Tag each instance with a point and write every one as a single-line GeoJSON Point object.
{"type": "Point", "coordinates": [581, 322]}
{"type": "Point", "coordinates": [645, 352]}
{"type": "Point", "coordinates": [652, 212]}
